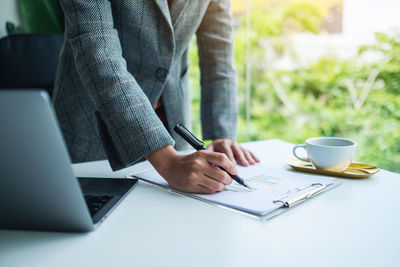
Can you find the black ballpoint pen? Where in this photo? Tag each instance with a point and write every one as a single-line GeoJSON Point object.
{"type": "Point", "coordinates": [199, 145]}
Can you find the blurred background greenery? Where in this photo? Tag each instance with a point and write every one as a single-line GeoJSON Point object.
{"type": "Point", "coordinates": [331, 96]}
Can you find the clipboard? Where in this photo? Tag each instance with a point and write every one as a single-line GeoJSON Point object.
{"type": "Point", "coordinates": [288, 201]}
{"type": "Point", "coordinates": [277, 204]}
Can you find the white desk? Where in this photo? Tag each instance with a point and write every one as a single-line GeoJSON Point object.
{"type": "Point", "coordinates": [355, 224]}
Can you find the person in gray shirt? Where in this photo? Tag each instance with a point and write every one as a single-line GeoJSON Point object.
{"type": "Point", "coordinates": [122, 86]}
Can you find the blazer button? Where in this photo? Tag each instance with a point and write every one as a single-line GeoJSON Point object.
{"type": "Point", "coordinates": [161, 74]}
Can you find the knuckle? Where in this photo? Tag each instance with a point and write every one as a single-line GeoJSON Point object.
{"type": "Point", "coordinates": [225, 145]}
{"type": "Point", "coordinates": [197, 155]}
{"type": "Point", "coordinates": [202, 153]}
{"type": "Point", "coordinates": [228, 163]}
{"type": "Point", "coordinates": [220, 176]}
{"type": "Point", "coordinates": [221, 157]}
{"type": "Point", "coordinates": [191, 177]}
{"type": "Point", "coordinates": [197, 162]}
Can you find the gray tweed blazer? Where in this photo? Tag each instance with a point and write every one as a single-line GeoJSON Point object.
{"type": "Point", "coordinates": [121, 56]}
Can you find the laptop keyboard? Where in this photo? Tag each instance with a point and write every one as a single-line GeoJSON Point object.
{"type": "Point", "coordinates": [96, 202]}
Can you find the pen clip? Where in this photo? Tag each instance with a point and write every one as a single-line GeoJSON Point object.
{"type": "Point", "coordinates": [189, 137]}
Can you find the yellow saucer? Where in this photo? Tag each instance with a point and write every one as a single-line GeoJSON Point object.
{"type": "Point", "coordinates": [355, 170]}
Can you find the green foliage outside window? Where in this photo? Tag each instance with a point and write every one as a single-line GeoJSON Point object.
{"type": "Point", "coordinates": [332, 97]}
{"type": "Point", "coordinates": [38, 16]}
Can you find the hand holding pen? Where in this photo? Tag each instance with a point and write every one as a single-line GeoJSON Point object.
{"type": "Point", "coordinates": [199, 145]}
{"type": "Point", "coordinates": [196, 172]}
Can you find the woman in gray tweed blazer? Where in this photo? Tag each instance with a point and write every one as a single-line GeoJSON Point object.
{"type": "Point", "coordinates": [121, 59]}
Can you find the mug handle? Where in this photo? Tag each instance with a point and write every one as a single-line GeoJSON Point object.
{"type": "Point", "coordinates": [297, 156]}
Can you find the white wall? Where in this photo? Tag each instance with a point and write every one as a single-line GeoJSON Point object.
{"type": "Point", "coordinates": [364, 17]}
{"type": "Point", "coordinates": [8, 12]}
{"type": "Point", "coordinates": [361, 19]}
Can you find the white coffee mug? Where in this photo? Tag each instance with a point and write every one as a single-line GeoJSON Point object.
{"type": "Point", "coordinates": [328, 153]}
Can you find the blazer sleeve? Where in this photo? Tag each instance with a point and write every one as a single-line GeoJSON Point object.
{"type": "Point", "coordinates": [128, 126]}
{"type": "Point", "coordinates": [218, 75]}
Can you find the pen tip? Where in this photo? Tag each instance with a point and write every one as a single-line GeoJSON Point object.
{"type": "Point", "coordinates": [245, 185]}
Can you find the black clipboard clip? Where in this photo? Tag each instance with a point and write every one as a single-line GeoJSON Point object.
{"type": "Point", "coordinates": [298, 195]}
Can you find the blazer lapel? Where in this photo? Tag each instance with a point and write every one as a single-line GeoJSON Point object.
{"type": "Point", "coordinates": [177, 9]}
{"type": "Point", "coordinates": [163, 6]}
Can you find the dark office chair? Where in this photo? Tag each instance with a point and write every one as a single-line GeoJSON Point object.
{"type": "Point", "coordinates": [29, 60]}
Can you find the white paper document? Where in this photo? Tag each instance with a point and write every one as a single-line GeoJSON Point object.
{"type": "Point", "coordinates": [266, 185]}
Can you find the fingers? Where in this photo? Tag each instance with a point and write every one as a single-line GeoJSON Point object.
{"type": "Point", "coordinates": [239, 155]}
{"type": "Point", "coordinates": [199, 183]}
{"type": "Point", "coordinates": [223, 147]}
{"type": "Point", "coordinates": [228, 151]}
{"type": "Point", "coordinates": [249, 158]}
{"type": "Point", "coordinates": [220, 159]}
{"type": "Point", "coordinates": [197, 172]}
{"type": "Point", "coordinates": [234, 152]}
{"type": "Point", "coordinates": [218, 175]}
{"type": "Point", "coordinates": [201, 189]}
{"type": "Point", "coordinates": [197, 189]}
{"type": "Point", "coordinates": [211, 184]}
{"type": "Point", "coordinates": [255, 158]}
{"type": "Point", "coordinates": [244, 156]}
{"type": "Point", "coordinates": [204, 184]}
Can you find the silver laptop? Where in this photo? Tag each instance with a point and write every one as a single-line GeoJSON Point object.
{"type": "Point", "coordinates": [38, 190]}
